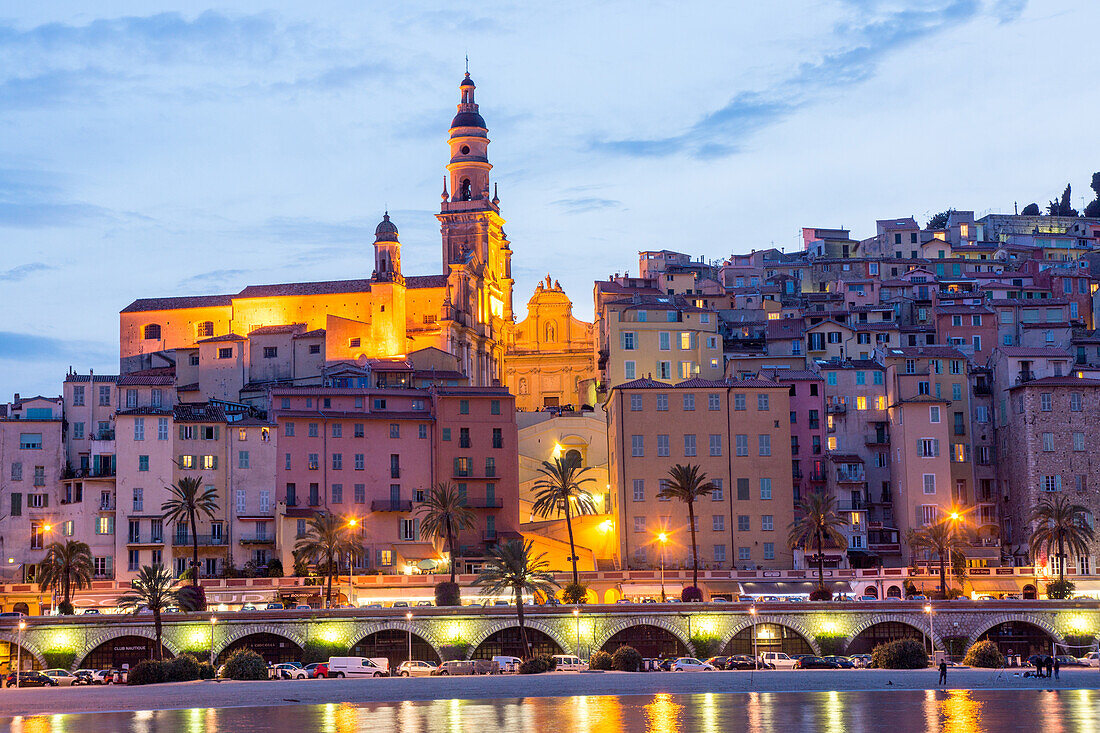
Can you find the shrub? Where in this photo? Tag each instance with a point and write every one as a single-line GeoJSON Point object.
{"type": "Point", "coordinates": [274, 568]}
{"type": "Point", "coordinates": [148, 672]}
{"type": "Point", "coordinates": [830, 644]}
{"type": "Point", "coordinates": [183, 668]}
{"type": "Point", "coordinates": [626, 659]}
{"type": "Point", "coordinates": [1060, 589]}
{"type": "Point", "coordinates": [821, 594]}
{"type": "Point", "coordinates": [65, 608]}
{"type": "Point", "coordinates": [448, 594]}
{"type": "Point", "coordinates": [537, 664]}
{"type": "Point", "coordinates": [458, 650]}
{"type": "Point", "coordinates": [574, 593]}
{"type": "Point", "coordinates": [320, 651]}
{"type": "Point", "coordinates": [206, 671]}
{"type": "Point", "coordinates": [59, 660]}
{"type": "Point", "coordinates": [691, 594]}
{"type": "Point", "coordinates": [984, 654]}
{"type": "Point", "coordinates": [600, 660]}
{"type": "Point", "coordinates": [192, 598]}
{"type": "Point", "coordinates": [245, 664]}
{"type": "Point", "coordinates": [705, 646]}
{"type": "Point", "coordinates": [900, 654]}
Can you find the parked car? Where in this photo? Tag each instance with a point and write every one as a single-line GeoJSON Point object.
{"type": "Point", "coordinates": [421, 604]}
{"type": "Point", "coordinates": [841, 662]}
{"type": "Point", "coordinates": [742, 661]}
{"type": "Point", "coordinates": [91, 612]}
{"type": "Point", "coordinates": [1066, 660]}
{"type": "Point", "coordinates": [400, 604]}
{"type": "Point", "coordinates": [569, 663]}
{"type": "Point", "coordinates": [551, 601]}
{"type": "Point", "coordinates": [863, 661]}
{"type": "Point", "coordinates": [465, 666]}
{"type": "Point", "coordinates": [778, 660]}
{"type": "Point", "coordinates": [248, 607]}
{"type": "Point", "coordinates": [507, 664]}
{"type": "Point", "coordinates": [290, 672]}
{"type": "Point", "coordinates": [317, 670]}
{"type": "Point", "coordinates": [30, 679]}
{"type": "Point", "coordinates": [82, 677]}
{"type": "Point", "coordinates": [303, 607]}
{"type": "Point", "coordinates": [61, 676]}
{"type": "Point", "coordinates": [691, 664]}
{"type": "Point", "coordinates": [274, 607]}
{"type": "Point", "coordinates": [358, 666]}
{"type": "Point", "coordinates": [719, 662]}
{"type": "Point", "coordinates": [812, 662]}
{"type": "Point", "coordinates": [1092, 659]}
{"type": "Point", "coordinates": [867, 598]}
{"type": "Point", "coordinates": [918, 598]}
{"type": "Point", "coordinates": [415, 668]}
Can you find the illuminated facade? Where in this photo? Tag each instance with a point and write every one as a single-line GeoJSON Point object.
{"type": "Point", "coordinates": [462, 311]}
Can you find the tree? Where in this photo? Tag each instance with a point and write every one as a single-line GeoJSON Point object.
{"type": "Point", "coordinates": [512, 568]}
{"type": "Point", "coordinates": [817, 521]}
{"type": "Point", "coordinates": [189, 500]}
{"type": "Point", "coordinates": [67, 567]}
{"type": "Point", "coordinates": [1030, 210]}
{"type": "Point", "coordinates": [151, 589]}
{"type": "Point", "coordinates": [939, 221]}
{"type": "Point", "coordinates": [1062, 207]}
{"type": "Point", "coordinates": [1060, 525]}
{"type": "Point", "coordinates": [1092, 210]}
{"type": "Point", "coordinates": [324, 544]}
{"type": "Point", "coordinates": [946, 542]}
{"type": "Point", "coordinates": [686, 484]}
{"type": "Point", "coordinates": [444, 515]}
{"type": "Point", "coordinates": [561, 491]}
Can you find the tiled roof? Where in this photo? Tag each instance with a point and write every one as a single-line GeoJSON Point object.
{"type": "Point", "coordinates": [91, 377]}
{"type": "Point", "coordinates": [285, 328]}
{"type": "Point", "coordinates": [791, 375]}
{"type": "Point", "coordinates": [906, 223]}
{"type": "Point", "coordinates": [146, 411]}
{"type": "Point", "coordinates": [1034, 351]}
{"type": "Point", "coordinates": [167, 304]}
{"type": "Point", "coordinates": [926, 352]}
{"type": "Point", "coordinates": [193, 387]}
{"type": "Point", "coordinates": [146, 380]}
{"type": "Point", "coordinates": [317, 288]}
{"type": "Point", "coordinates": [1059, 382]}
{"type": "Point", "coordinates": [699, 382]}
{"type": "Point", "coordinates": [643, 383]}
{"type": "Point", "coordinates": [785, 328]}
{"type": "Point", "coordinates": [754, 382]}
{"type": "Point", "coordinates": [226, 337]}
{"type": "Point", "coordinates": [426, 281]}
{"type": "Point", "coordinates": [198, 412]}
{"type": "Point", "coordinates": [844, 458]}
{"type": "Point", "coordinates": [315, 333]}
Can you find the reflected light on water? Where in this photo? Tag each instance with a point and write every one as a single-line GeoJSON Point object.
{"type": "Point", "coordinates": [709, 712]}
{"type": "Point", "coordinates": [1051, 711]}
{"type": "Point", "coordinates": [961, 712]}
{"type": "Point", "coordinates": [834, 713]}
{"type": "Point", "coordinates": [663, 714]}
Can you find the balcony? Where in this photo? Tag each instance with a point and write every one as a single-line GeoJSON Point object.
{"type": "Point", "coordinates": [877, 439]}
{"type": "Point", "coordinates": [484, 502]}
{"type": "Point", "coordinates": [102, 435]}
{"type": "Point", "coordinates": [258, 539]}
{"type": "Point", "coordinates": [851, 477]}
{"type": "Point", "coordinates": [837, 409]}
{"type": "Point", "coordinates": [960, 430]}
{"type": "Point", "coordinates": [817, 476]}
{"type": "Point", "coordinates": [387, 505]}
{"type": "Point", "coordinates": [1025, 376]}
{"type": "Point", "coordinates": [205, 540]}
{"type": "Point", "coordinates": [982, 389]}
{"type": "Point", "coordinates": [490, 535]}
{"type": "Point", "coordinates": [106, 505]}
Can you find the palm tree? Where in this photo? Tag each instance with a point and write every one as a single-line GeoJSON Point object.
{"type": "Point", "coordinates": [152, 589]}
{"type": "Point", "coordinates": [817, 521]}
{"type": "Point", "coordinates": [561, 490]}
{"type": "Point", "coordinates": [511, 568]}
{"type": "Point", "coordinates": [1060, 524]}
{"type": "Point", "coordinates": [687, 484]}
{"type": "Point", "coordinates": [946, 541]}
{"type": "Point", "coordinates": [326, 541]}
{"type": "Point", "coordinates": [67, 567]}
{"type": "Point", "coordinates": [188, 500]}
{"type": "Point", "coordinates": [444, 514]}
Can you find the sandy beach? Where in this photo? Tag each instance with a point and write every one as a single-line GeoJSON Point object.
{"type": "Point", "coordinates": [211, 694]}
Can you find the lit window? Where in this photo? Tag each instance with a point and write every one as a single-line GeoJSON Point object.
{"type": "Point", "coordinates": [861, 403]}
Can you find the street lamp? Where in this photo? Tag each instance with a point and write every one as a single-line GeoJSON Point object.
{"type": "Point", "coordinates": [663, 539]}
{"type": "Point", "coordinates": [213, 620]}
{"type": "Point", "coordinates": [752, 613]}
{"type": "Point", "coordinates": [931, 632]}
{"type": "Point", "coordinates": [19, 653]}
{"type": "Point", "coordinates": [409, 618]}
{"type": "Point", "coordinates": [577, 621]}
{"type": "Point", "coordinates": [352, 524]}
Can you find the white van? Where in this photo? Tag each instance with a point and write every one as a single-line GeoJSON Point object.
{"type": "Point", "coordinates": [569, 663]}
{"type": "Point", "coordinates": [508, 664]}
{"type": "Point", "coordinates": [778, 660]}
{"type": "Point", "coordinates": [358, 666]}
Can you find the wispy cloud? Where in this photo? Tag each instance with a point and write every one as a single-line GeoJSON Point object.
{"type": "Point", "coordinates": [35, 199]}
{"type": "Point", "coordinates": [204, 282]}
{"type": "Point", "coordinates": [587, 203]}
{"type": "Point", "coordinates": [884, 32]}
{"type": "Point", "coordinates": [21, 272]}
{"type": "Point", "coordinates": [27, 347]}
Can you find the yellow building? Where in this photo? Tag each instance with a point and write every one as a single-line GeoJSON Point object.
{"type": "Point", "coordinates": [548, 361]}
{"type": "Point", "coordinates": [463, 311]}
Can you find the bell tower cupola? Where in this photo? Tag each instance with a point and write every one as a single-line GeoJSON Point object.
{"type": "Point", "coordinates": [469, 141]}
{"type": "Point", "coordinates": [387, 251]}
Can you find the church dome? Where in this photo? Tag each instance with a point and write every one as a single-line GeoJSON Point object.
{"type": "Point", "coordinates": [468, 119]}
{"type": "Point", "coordinates": [467, 82]}
{"type": "Point", "coordinates": [386, 231]}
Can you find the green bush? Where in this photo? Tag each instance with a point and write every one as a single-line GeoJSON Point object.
{"type": "Point", "coordinates": [900, 654]}
{"type": "Point", "coordinates": [830, 644]}
{"type": "Point", "coordinates": [574, 593]}
{"type": "Point", "coordinates": [192, 598]}
{"type": "Point", "coordinates": [148, 672]}
{"type": "Point", "coordinates": [705, 646]}
{"type": "Point", "coordinates": [458, 650]}
{"type": "Point", "coordinates": [275, 568]}
{"type": "Point", "coordinates": [600, 660]}
{"type": "Point", "coordinates": [984, 654]}
{"type": "Point", "coordinates": [245, 664]}
{"type": "Point", "coordinates": [626, 659]}
{"type": "Point", "coordinates": [1059, 589]}
{"type": "Point", "coordinates": [537, 664]}
{"type": "Point", "coordinates": [206, 671]}
{"type": "Point", "coordinates": [183, 668]}
{"type": "Point", "coordinates": [65, 608]}
{"type": "Point", "coordinates": [320, 651]}
{"type": "Point", "coordinates": [691, 594]}
{"type": "Point", "coordinates": [448, 594]}
{"type": "Point", "coordinates": [59, 660]}
{"type": "Point", "coordinates": [821, 594]}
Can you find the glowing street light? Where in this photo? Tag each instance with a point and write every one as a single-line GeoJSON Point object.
{"type": "Point", "coordinates": [213, 620]}
{"type": "Point", "coordinates": [19, 653]}
{"type": "Point", "coordinates": [752, 613]}
{"type": "Point", "coordinates": [931, 632]}
{"type": "Point", "coordinates": [409, 618]}
{"type": "Point", "coordinates": [663, 539]}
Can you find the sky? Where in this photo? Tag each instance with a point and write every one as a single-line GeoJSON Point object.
{"type": "Point", "coordinates": [155, 149]}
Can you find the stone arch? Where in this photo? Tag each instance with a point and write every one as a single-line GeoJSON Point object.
{"type": "Point", "coordinates": [658, 621]}
{"type": "Point", "coordinates": [791, 623]}
{"type": "Point", "coordinates": [28, 646]}
{"type": "Point", "coordinates": [868, 621]}
{"type": "Point", "coordinates": [424, 631]}
{"type": "Point", "coordinates": [239, 632]}
{"type": "Point", "coordinates": [502, 624]}
{"type": "Point", "coordinates": [107, 634]}
{"type": "Point", "coordinates": [988, 623]}
{"type": "Point", "coordinates": [611, 595]}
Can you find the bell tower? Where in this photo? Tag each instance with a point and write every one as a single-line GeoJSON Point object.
{"type": "Point", "coordinates": [469, 141]}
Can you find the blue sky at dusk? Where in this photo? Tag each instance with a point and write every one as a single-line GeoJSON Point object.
{"type": "Point", "coordinates": [153, 149]}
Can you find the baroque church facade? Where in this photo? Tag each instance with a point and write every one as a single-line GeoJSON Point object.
{"type": "Point", "coordinates": [464, 312]}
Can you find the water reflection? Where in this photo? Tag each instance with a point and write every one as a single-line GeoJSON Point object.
{"type": "Point", "coordinates": [954, 711]}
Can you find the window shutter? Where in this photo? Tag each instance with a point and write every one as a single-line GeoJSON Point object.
{"type": "Point", "coordinates": [46, 499]}
{"type": "Point", "coordinates": [215, 465]}
{"type": "Point", "coordinates": [217, 432]}
{"type": "Point", "coordinates": [16, 505]}
{"type": "Point", "coordinates": [182, 432]}
{"type": "Point", "coordinates": [936, 447]}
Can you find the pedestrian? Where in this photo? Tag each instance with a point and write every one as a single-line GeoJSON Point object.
{"type": "Point", "coordinates": [1057, 667]}
{"type": "Point", "coordinates": [943, 672]}
{"type": "Point", "coordinates": [1050, 666]}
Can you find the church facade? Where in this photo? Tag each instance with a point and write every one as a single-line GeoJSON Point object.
{"type": "Point", "coordinates": [464, 311]}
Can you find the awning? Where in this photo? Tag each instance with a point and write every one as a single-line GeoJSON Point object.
{"type": "Point", "coordinates": [647, 589]}
{"type": "Point", "coordinates": [722, 586]}
{"type": "Point", "coordinates": [232, 596]}
{"type": "Point", "coordinates": [992, 584]}
{"type": "Point", "coordinates": [791, 588]}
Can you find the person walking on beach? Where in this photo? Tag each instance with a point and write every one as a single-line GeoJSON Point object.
{"type": "Point", "coordinates": [943, 672]}
{"type": "Point", "coordinates": [1057, 667]}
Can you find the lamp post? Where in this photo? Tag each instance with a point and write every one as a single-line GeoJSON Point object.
{"type": "Point", "coordinates": [752, 613]}
{"type": "Point", "coordinates": [931, 632]}
{"type": "Point", "coordinates": [213, 620]}
{"type": "Point", "coordinates": [663, 539]}
{"type": "Point", "coordinates": [409, 618]}
{"type": "Point", "coordinates": [19, 653]}
{"type": "Point", "coordinates": [352, 523]}
{"type": "Point", "coordinates": [577, 622]}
